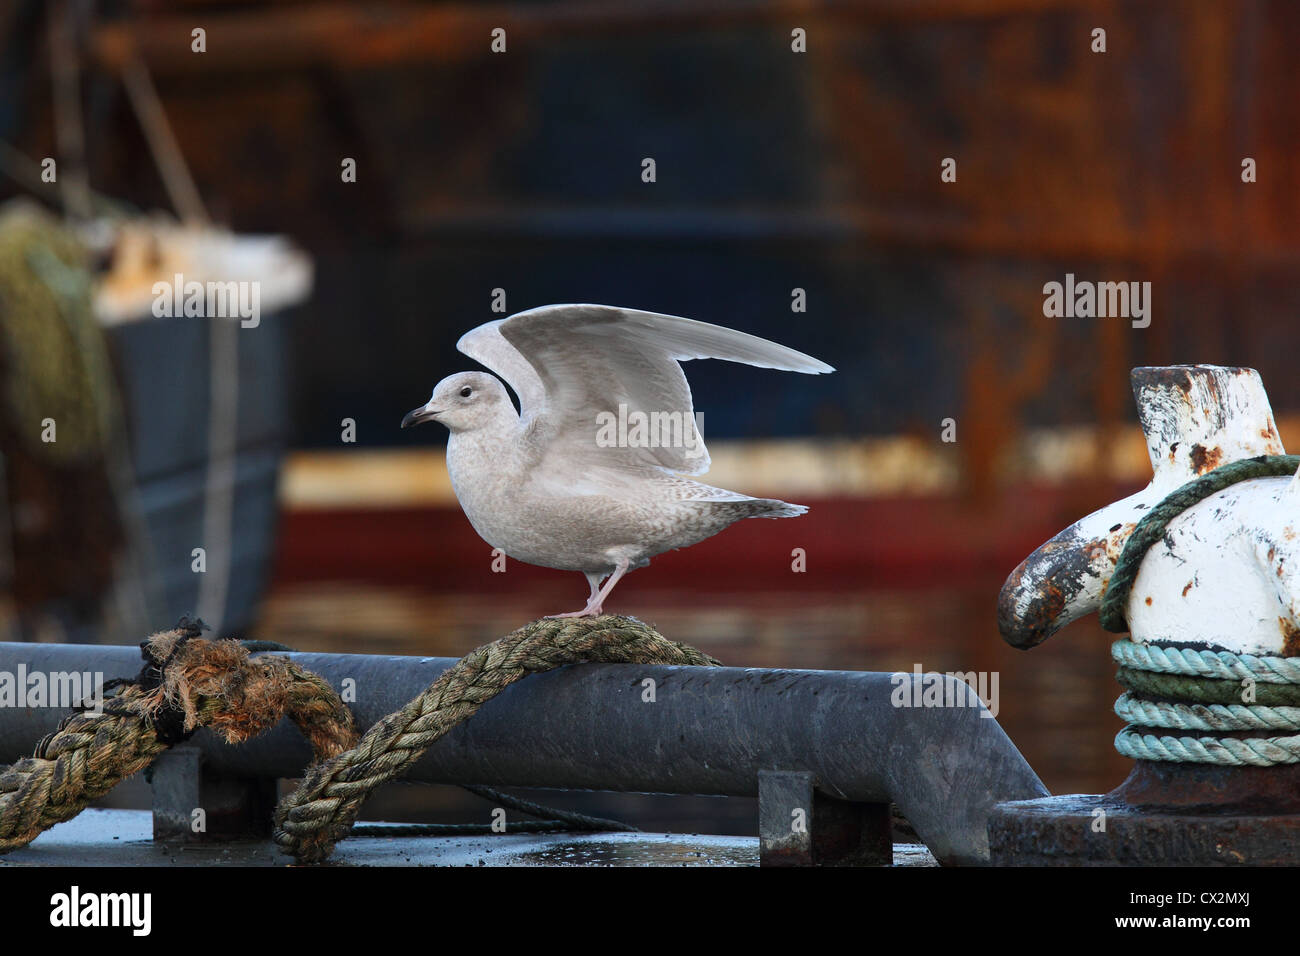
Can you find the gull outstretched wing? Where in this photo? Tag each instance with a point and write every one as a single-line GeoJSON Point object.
{"type": "Point", "coordinates": [576, 368]}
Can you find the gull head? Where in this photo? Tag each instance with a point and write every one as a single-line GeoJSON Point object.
{"type": "Point", "coordinates": [463, 402]}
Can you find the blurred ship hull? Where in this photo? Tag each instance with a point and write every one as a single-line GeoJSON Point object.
{"type": "Point", "coordinates": [167, 395]}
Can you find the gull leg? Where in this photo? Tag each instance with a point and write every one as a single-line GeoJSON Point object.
{"type": "Point", "coordinates": [594, 581]}
{"type": "Point", "coordinates": [609, 586]}
{"type": "Point", "coordinates": [597, 598]}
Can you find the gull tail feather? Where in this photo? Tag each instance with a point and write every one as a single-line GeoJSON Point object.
{"type": "Point", "coordinates": [774, 508]}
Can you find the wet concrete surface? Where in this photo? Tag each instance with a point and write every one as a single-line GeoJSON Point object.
{"type": "Point", "coordinates": [124, 838]}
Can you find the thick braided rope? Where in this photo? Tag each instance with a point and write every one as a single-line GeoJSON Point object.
{"type": "Point", "coordinates": [196, 683]}
{"type": "Point", "coordinates": [1207, 690]}
{"type": "Point", "coordinates": [1222, 665]}
{"type": "Point", "coordinates": [310, 821]}
{"type": "Point", "coordinates": [1151, 528]}
{"type": "Point", "coordinates": [1230, 751]}
{"type": "Point", "coordinates": [85, 760]}
{"type": "Point", "coordinates": [1173, 715]}
{"type": "Point", "coordinates": [1203, 690]}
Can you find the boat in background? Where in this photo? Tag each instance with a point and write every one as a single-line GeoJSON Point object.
{"type": "Point", "coordinates": [205, 401]}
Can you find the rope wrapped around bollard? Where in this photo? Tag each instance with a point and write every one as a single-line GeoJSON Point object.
{"type": "Point", "coordinates": [1168, 689]}
{"type": "Point", "coordinates": [1172, 688]}
{"type": "Point", "coordinates": [187, 683]}
{"type": "Point", "coordinates": [311, 820]}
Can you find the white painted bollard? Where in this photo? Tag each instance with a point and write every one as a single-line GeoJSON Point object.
{"type": "Point", "coordinates": [1210, 673]}
{"type": "Point", "coordinates": [1227, 572]}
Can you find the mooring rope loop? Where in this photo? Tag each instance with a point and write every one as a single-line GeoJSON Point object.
{"type": "Point", "coordinates": [311, 820]}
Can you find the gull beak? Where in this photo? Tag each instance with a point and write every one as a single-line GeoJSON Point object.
{"type": "Point", "coordinates": [419, 415]}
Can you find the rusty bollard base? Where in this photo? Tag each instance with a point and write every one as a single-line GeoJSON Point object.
{"type": "Point", "coordinates": [1172, 812]}
{"type": "Point", "coordinates": [1162, 815]}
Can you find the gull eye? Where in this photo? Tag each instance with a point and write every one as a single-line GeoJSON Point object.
{"type": "Point", "coordinates": [466, 392]}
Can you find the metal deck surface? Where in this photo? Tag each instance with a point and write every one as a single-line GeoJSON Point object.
{"type": "Point", "coordinates": [124, 838]}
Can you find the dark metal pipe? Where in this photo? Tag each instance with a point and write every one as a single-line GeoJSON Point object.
{"type": "Point", "coordinates": [592, 727]}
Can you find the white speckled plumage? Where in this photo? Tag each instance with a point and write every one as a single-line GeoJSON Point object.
{"type": "Point", "coordinates": [540, 486]}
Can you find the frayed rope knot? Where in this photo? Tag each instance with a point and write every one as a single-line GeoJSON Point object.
{"type": "Point", "coordinates": [187, 682]}
{"type": "Point", "coordinates": [173, 722]}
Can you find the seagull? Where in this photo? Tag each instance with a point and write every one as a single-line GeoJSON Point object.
{"type": "Point", "coordinates": [591, 474]}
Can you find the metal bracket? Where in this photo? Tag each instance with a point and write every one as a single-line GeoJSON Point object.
{"type": "Point", "coordinates": [798, 826]}
{"type": "Point", "coordinates": [194, 804]}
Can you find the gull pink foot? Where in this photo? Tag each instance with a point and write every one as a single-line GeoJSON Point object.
{"type": "Point", "coordinates": [587, 611]}
{"type": "Point", "coordinates": [596, 603]}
